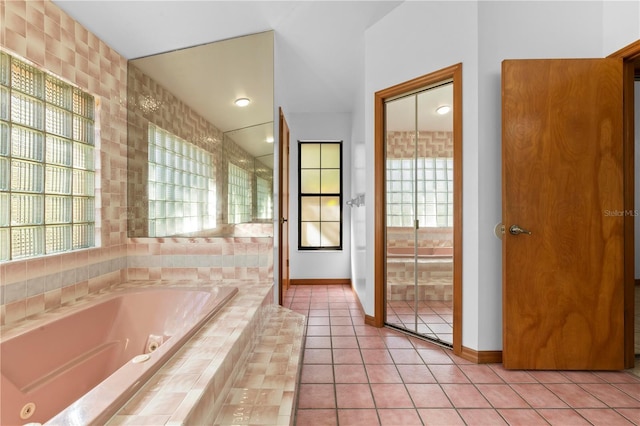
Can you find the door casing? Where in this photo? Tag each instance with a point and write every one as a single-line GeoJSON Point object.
{"type": "Point", "coordinates": [452, 73]}
{"type": "Point", "coordinates": [283, 207]}
{"type": "Point", "coordinates": [630, 55]}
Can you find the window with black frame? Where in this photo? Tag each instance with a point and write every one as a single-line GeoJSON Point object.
{"type": "Point", "coordinates": [320, 195]}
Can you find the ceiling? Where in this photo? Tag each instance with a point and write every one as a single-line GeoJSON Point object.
{"type": "Point", "coordinates": [320, 43]}
{"type": "Point", "coordinates": [210, 77]}
{"type": "Point", "coordinates": [418, 111]}
{"type": "Point", "coordinates": [320, 53]}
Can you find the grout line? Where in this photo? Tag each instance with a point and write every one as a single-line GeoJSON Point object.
{"type": "Point", "coordinates": [331, 298]}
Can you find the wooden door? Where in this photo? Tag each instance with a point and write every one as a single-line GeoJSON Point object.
{"type": "Point", "coordinates": [283, 170]}
{"type": "Point", "coordinates": [562, 158]}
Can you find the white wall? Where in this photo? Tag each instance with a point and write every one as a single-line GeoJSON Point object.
{"type": "Point", "coordinates": [359, 186]}
{"type": "Point", "coordinates": [513, 30]}
{"type": "Point", "coordinates": [620, 20]}
{"type": "Point", "coordinates": [319, 264]}
{"type": "Point", "coordinates": [417, 38]}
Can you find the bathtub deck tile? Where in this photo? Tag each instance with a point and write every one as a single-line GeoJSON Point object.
{"type": "Point", "coordinates": [269, 401]}
{"type": "Point", "coordinates": [204, 367]}
{"type": "Point", "coordinates": [187, 404]}
{"type": "Point", "coordinates": [191, 387]}
{"type": "Point", "coordinates": [164, 403]}
{"type": "Point", "coordinates": [123, 420]}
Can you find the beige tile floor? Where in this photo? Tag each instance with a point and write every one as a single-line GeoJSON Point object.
{"type": "Point", "coordinates": [354, 374]}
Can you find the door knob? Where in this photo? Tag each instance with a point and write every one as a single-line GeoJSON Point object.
{"type": "Point", "coordinates": [516, 230]}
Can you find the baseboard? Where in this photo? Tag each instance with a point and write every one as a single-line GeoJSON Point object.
{"type": "Point", "coordinates": [320, 281]}
{"type": "Point", "coordinates": [368, 319]}
{"type": "Point", "coordinates": [481, 357]}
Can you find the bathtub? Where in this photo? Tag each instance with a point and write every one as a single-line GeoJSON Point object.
{"type": "Point", "coordinates": [80, 367]}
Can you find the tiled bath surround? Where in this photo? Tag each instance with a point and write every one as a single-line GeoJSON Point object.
{"type": "Point", "coordinates": [38, 285]}
{"type": "Point", "coordinates": [193, 385]}
{"type": "Point", "coordinates": [200, 258]}
{"type": "Point", "coordinates": [41, 33]}
{"type": "Point", "coordinates": [435, 275]}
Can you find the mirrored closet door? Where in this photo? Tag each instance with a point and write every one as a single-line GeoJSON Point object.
{"type": "Point", "coordinates": [419, 212]}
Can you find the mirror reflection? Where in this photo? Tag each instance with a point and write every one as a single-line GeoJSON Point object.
{"type": "Point", "coordinates": [200, 163]}
{"type": "Point", "coordinates": [419, 204]}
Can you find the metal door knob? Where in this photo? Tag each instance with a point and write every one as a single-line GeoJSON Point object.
{"type": "Point", "coordinates": [516, 230]}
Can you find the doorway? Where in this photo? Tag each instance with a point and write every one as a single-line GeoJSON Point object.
{"type": "Point", "coordinates": [283, 207]}
{"type": "Point", "coordinates": [418, 208]}
{"type": "Point", "coordinates": [587, 339]}
{"type": "Point", "coordinates": [563, 208]}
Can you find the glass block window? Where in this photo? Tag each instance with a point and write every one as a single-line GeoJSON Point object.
{"type": "Point", "coordinates": [420, 189]}
{"type": "Point", "coordinates": [320, 196]}
{"type": "Point", "coordinates": [263, 199]}
{"type": "Point", "coordinates": [182, 190]}
{"type": "Point", "coordinates": [239, 203]}
{"type": "Point", "coordinates": [47, 166]}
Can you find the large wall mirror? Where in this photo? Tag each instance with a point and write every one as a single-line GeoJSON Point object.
{"type": "Point", "coordinates": [199, 164]}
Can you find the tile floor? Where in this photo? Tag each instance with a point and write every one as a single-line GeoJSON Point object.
{"type": "Point", "coordinates": [434, 319]}
{"type": "Point", "coordinates": [354, 374]}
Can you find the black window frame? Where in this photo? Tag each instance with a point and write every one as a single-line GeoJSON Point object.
{"type": "Point", "coordinates": [302, 195]}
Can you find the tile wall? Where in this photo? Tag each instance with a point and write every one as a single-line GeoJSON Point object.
{"type": "Point", "coordinates": [435, 276]}
{"type": "Point", "coordinates": [41, 33]}
{"type": "Point", "coordinates": [149, 102]}
{"type": "Point", "coordinates": [430, 144]}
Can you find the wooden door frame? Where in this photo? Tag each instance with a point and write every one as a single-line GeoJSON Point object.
{"type": "Point", "coordinates": [453, 73]}
{"type": "Point", "coordinates": [282, 217]}
{"type": "Point", "coordinates": [630, 56]}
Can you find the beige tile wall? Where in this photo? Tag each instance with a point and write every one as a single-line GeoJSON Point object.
{"type": "Point", "coordinates": [149, 102]}
{"type": "Point", "coordinates": [41, 33]}
{"type": "Point", "coordinates": [430, 144]}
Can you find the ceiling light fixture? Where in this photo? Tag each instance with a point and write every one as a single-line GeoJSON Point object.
{"type": "Point", "coordinates": [443, 109]}
{"type": "Point", "coordinates": [242, 102]}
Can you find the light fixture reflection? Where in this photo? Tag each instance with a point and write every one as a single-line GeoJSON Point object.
{"type": "Point", "coordinates": [269, 139]}
{"type": "Point", "coordinates": [443, 109]}
{"type": "Point", "coordinates": [242, 102]}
